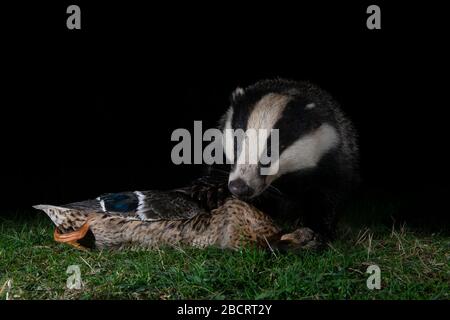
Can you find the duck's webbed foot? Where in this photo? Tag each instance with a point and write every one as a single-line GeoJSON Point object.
{"type": "Point", "coordinates": [300, 239]}
{"type": "Point", "coordinates": [74, 237]}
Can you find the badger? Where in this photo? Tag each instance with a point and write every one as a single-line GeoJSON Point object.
{"type": "Point", "coordinates": [318, 153]}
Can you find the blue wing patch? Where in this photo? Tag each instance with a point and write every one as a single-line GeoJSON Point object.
{"type": "Point", "coordinates": [119, 202]}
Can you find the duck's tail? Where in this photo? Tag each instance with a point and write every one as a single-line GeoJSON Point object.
{"type": "Point", "coordinates": [62, 217]}
{"type": "Point", "coordinates": [73, 223]}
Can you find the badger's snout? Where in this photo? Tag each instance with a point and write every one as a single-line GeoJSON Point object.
{"type": "Point", "coordinates": [240, 188]}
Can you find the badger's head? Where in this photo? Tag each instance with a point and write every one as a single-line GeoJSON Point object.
{"type": "Point", "coordinates": [305, 134]}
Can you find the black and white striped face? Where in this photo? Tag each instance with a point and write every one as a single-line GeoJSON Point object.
{"type": "Point", "coordinates": [303, 137]}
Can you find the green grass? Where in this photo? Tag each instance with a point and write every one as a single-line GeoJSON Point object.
{"type": "Point", "coordinates": [413, 266]}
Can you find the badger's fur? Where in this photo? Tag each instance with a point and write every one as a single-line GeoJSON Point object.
{"type": "Point", "coordinates": [318, 151]}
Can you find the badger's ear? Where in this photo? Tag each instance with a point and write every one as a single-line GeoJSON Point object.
{"type": "Point", "coordinates": [238, 92]}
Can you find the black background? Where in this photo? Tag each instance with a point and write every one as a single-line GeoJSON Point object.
{"type": "Point", "coordinates": [90, 111]}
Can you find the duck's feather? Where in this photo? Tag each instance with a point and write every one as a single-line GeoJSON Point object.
{"type": "Point", "coordinates": [233, 224]}
{"type": "Point", "coordinates": [153, 205]}
{"type": "Point", "coordinates": [142, 205]}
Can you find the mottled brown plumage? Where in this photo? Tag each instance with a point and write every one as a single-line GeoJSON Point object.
{"type": "Point", "coordinates": [233, 225]}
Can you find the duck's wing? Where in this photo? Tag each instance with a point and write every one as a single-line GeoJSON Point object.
{"type": "Point", "coordinates": [143, 205]}
{"type": "Point", "coordinates": [152, 204]}
{"type": "Point", "coordinates": [203, 195]}
{"type": "Point", "coordinates": [69, 216]}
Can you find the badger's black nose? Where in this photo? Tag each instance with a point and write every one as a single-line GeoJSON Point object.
{"type": "Point", "coordinates": [239, 188]}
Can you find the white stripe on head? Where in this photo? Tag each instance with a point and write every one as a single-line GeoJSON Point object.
{"type": "Point", "coordinates": [228, 142]}
{"type": "Point", "coordinates": [266, 112]}
{"type": "Point", "coordinates": [307, 151]}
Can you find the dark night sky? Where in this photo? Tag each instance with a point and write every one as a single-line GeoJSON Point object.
{"type": "Point", "coordinates": [91, 111]}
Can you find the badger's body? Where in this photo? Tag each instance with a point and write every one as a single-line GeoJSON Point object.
{"type": "Point", "coordinates": [318, 153]}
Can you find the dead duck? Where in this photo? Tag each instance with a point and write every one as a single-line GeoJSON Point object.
{"type": "Point", "coordinates": [232, 225]}
{"type": "Point", "coordinates": [150, 219]}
